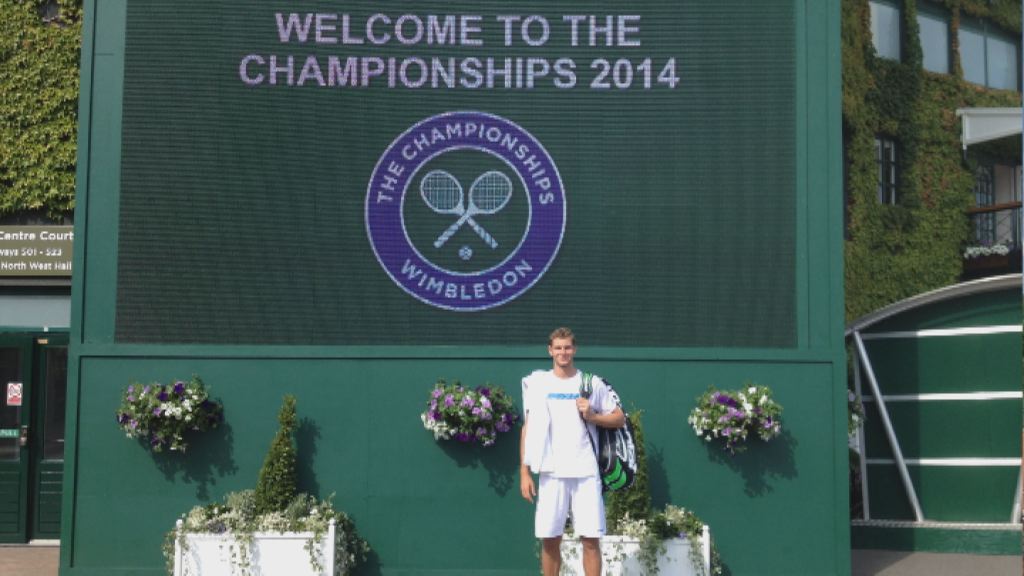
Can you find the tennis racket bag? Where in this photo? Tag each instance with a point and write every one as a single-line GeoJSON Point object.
{"type": "Point", "coordinates": [616, 453]}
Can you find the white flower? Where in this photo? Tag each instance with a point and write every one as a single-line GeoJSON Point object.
{"type": "Point", "coordinates": [751, 390]}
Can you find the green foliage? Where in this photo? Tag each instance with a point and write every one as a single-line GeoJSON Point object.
{"type": "Point", "coordinates": [38, 107]}
{"type": "Point", "coordinates": [240, 517]}
{"type": "Point", "coordinates": [896, 251]}
{"type": "Point", "coordinates": [635, 501]}
{"type": "Point", "coordinates": [278, 481]}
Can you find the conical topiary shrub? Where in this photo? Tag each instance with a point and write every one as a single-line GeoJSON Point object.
{"type": "Point", "coordinates": [278, 481]}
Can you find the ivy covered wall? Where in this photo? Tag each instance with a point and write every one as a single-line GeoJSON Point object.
{"type": "Point", "coordinates": [915, 245]}
{"type": "Point", "coordinates": [40, 42]}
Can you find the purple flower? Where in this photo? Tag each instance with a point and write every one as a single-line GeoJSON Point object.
{"type": "Point", "coordinates": [433, 404]}
{"type": "Point", "coordinates": [179, 387]}
{"type": "Point", "coordinates": [157, 411]}
{"type": "Point", "coordinates": [462, 437]}
{"type": "Point", "coordinates": [437, 392]}
{"type": "Point", "coordinates": [501, 427]}
{"type": "Point", "coordinates": [435, 415]}
{"type": "Point", "coordinates": [131, 389]}
{"type": "Point", "coordinates": [122, 417]}
{"type": "Point", "coordinates": [724, 400]}
{"type": "Point", "coordinates": [449, 400]}
{"type": "Point", "coordinates": [467, 401]}
{"type": "Point", "coordinates": [767, 423]}
{"type": "Point", "coordinates": [727, 431]}
{"type": "Point", "coordinates": [485, 414]}
{"type": "Point", "coordinates": [484, 391]}
{"type": "Point", "coordinates": [476, 410]}
{"type": "Point", "coordinates": [145, 389]}
{"type": "Point", "coordinates": [162, 396]}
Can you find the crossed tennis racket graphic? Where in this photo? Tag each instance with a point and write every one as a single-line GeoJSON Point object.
{"type": "Point", "coordinates": [488, 194]}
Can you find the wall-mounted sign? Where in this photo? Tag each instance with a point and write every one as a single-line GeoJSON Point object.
{"type": "Point", "coordinates": [14, 393]}
{"type": "Point", "coordinates": [10, 433]}
{"type": "Point", "coordinates": [35, 250]}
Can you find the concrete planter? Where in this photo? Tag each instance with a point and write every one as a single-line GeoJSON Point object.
{"type": "Point", "coordinates": [270, 554]}
{"type": "Point", "coordinates": [620, 557]}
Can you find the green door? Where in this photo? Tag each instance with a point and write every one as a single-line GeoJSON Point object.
{"type": "Point", "coordinates": [15, 417]}
{"type": "Point", "coordinates": [47, 436]}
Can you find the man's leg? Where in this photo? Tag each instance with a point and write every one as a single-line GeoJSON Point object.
{"type": "Point", "coordinates": [549, 522]}
{"type": "Point", "coordinates": [551, 556]}
{"type": "Point", "coordinates": [591, 556]}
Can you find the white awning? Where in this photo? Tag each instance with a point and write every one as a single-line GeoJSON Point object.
{"type": "Point", "coordinates": [983, 124]}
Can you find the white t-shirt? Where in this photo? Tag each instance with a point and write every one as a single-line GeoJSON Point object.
{"type": "Point", "coordinates": [567, 452]}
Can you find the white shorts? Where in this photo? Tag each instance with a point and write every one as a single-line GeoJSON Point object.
{"type": "Point", "coordinates": [555, 496]}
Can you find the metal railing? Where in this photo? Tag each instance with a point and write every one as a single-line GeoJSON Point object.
{"type": "Point", "coordinates": [995, 225]}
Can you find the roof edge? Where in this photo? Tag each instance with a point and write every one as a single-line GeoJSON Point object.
{"type": "Point", "coordinates": [981, 286]}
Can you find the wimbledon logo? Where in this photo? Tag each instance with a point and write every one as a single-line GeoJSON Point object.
{"type": "Point", "coordinates": [465, 211]}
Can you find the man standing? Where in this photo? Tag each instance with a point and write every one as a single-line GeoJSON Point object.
{"type": "Point", "coordinates": [554, 443]}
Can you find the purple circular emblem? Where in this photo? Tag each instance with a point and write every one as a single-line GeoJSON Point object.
{"type": "Point", "coordinates": [400, 166]}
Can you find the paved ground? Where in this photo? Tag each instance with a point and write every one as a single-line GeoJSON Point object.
{"type": "Point", "coordinates": [29, 560]}
{"type": "Point", "coordinates": [42, 561]}
{"type": "Point", "coordinates": [889, 563]}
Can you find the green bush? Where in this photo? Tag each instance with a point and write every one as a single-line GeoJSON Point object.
{"type": "Point", "coordinates": [635, 501]}
{"type": "Point", "coordinates": [38, 107]}
{"type": "Point", "coordinates": [278, 481]}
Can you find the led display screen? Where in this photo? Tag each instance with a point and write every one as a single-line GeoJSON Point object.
{"type": "Point", "coordinates": [455, 173]}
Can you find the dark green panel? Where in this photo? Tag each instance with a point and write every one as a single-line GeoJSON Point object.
{"type": "Point", "coordinates": [947, 363]}
{"type": "Point", "coordinates": [411, 497]}
{"type": "Point", "coordinates": [946, 494]}
{"type": "Point", "coordinates": [48, 503]}
{"type": "Point", "coordinates": [947, 429]}
{"type": "Point", "coordinates": [949, 541]}
{"type": "Point", "coordinates": [10, 506]}
{"type": "Point", "coordinates": [985, 309]}
{"type": "Point", "coordinates": [243, 208]}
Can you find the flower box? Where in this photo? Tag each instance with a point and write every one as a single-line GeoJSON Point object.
{"type": "Point", "coordinates": [271, 553]}
{"type": "Point", "coordinates": [620, 556]}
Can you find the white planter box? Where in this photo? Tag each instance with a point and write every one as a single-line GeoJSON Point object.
{"type": "Point", "coordinates": [271, 554]}
{"type": "Point", "coordinates": [620, 557]}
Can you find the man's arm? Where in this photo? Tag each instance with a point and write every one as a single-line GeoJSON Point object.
{"type": "Point", "coordinates": [614, 419]}
{"type": "Point", "coordinates": [526, 486]}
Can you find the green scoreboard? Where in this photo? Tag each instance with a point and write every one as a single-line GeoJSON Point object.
{"type": "Point", "coordinates": [458, 172]}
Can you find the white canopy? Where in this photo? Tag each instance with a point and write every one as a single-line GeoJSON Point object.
{"type": "Point", "coordinates": [983, 124]}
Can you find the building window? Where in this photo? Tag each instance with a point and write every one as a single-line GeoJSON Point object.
{"type": "Point", "coordinates": [934, 34]}
{"type": "Point", "coordinates": [885, 29]}
{"type": "Point", "coordinates": [997, 193]}
{"type": "Point", "coordinates": [988, 56]}
{"type": "Point", "coordinates": [885, 157]}
{"type": "Point", "coordinates": [984, 196]}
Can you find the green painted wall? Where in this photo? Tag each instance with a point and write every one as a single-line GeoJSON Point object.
{"type": "Point", "coordinates": [431, 508]}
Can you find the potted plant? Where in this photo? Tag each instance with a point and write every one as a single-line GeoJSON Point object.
{"type": "Point", "coordinates": [642, 540]}
{"type": "Point", "coordinates": [159, 415]}
{"type": "Point", "coordinates": [468, 414]}
{"type": "Point", "coordinates": [270, 530]}
{"type": "Point", "coordinates": [735, 415]}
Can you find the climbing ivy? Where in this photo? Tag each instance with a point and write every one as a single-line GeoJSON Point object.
{"type": "Point", "coordinates": [40, 42]}
{"type": "Point", "coordinates": [896, 251]}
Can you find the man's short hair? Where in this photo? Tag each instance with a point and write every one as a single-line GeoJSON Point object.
{"type": "Point", "coordinates": [562, 332]}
